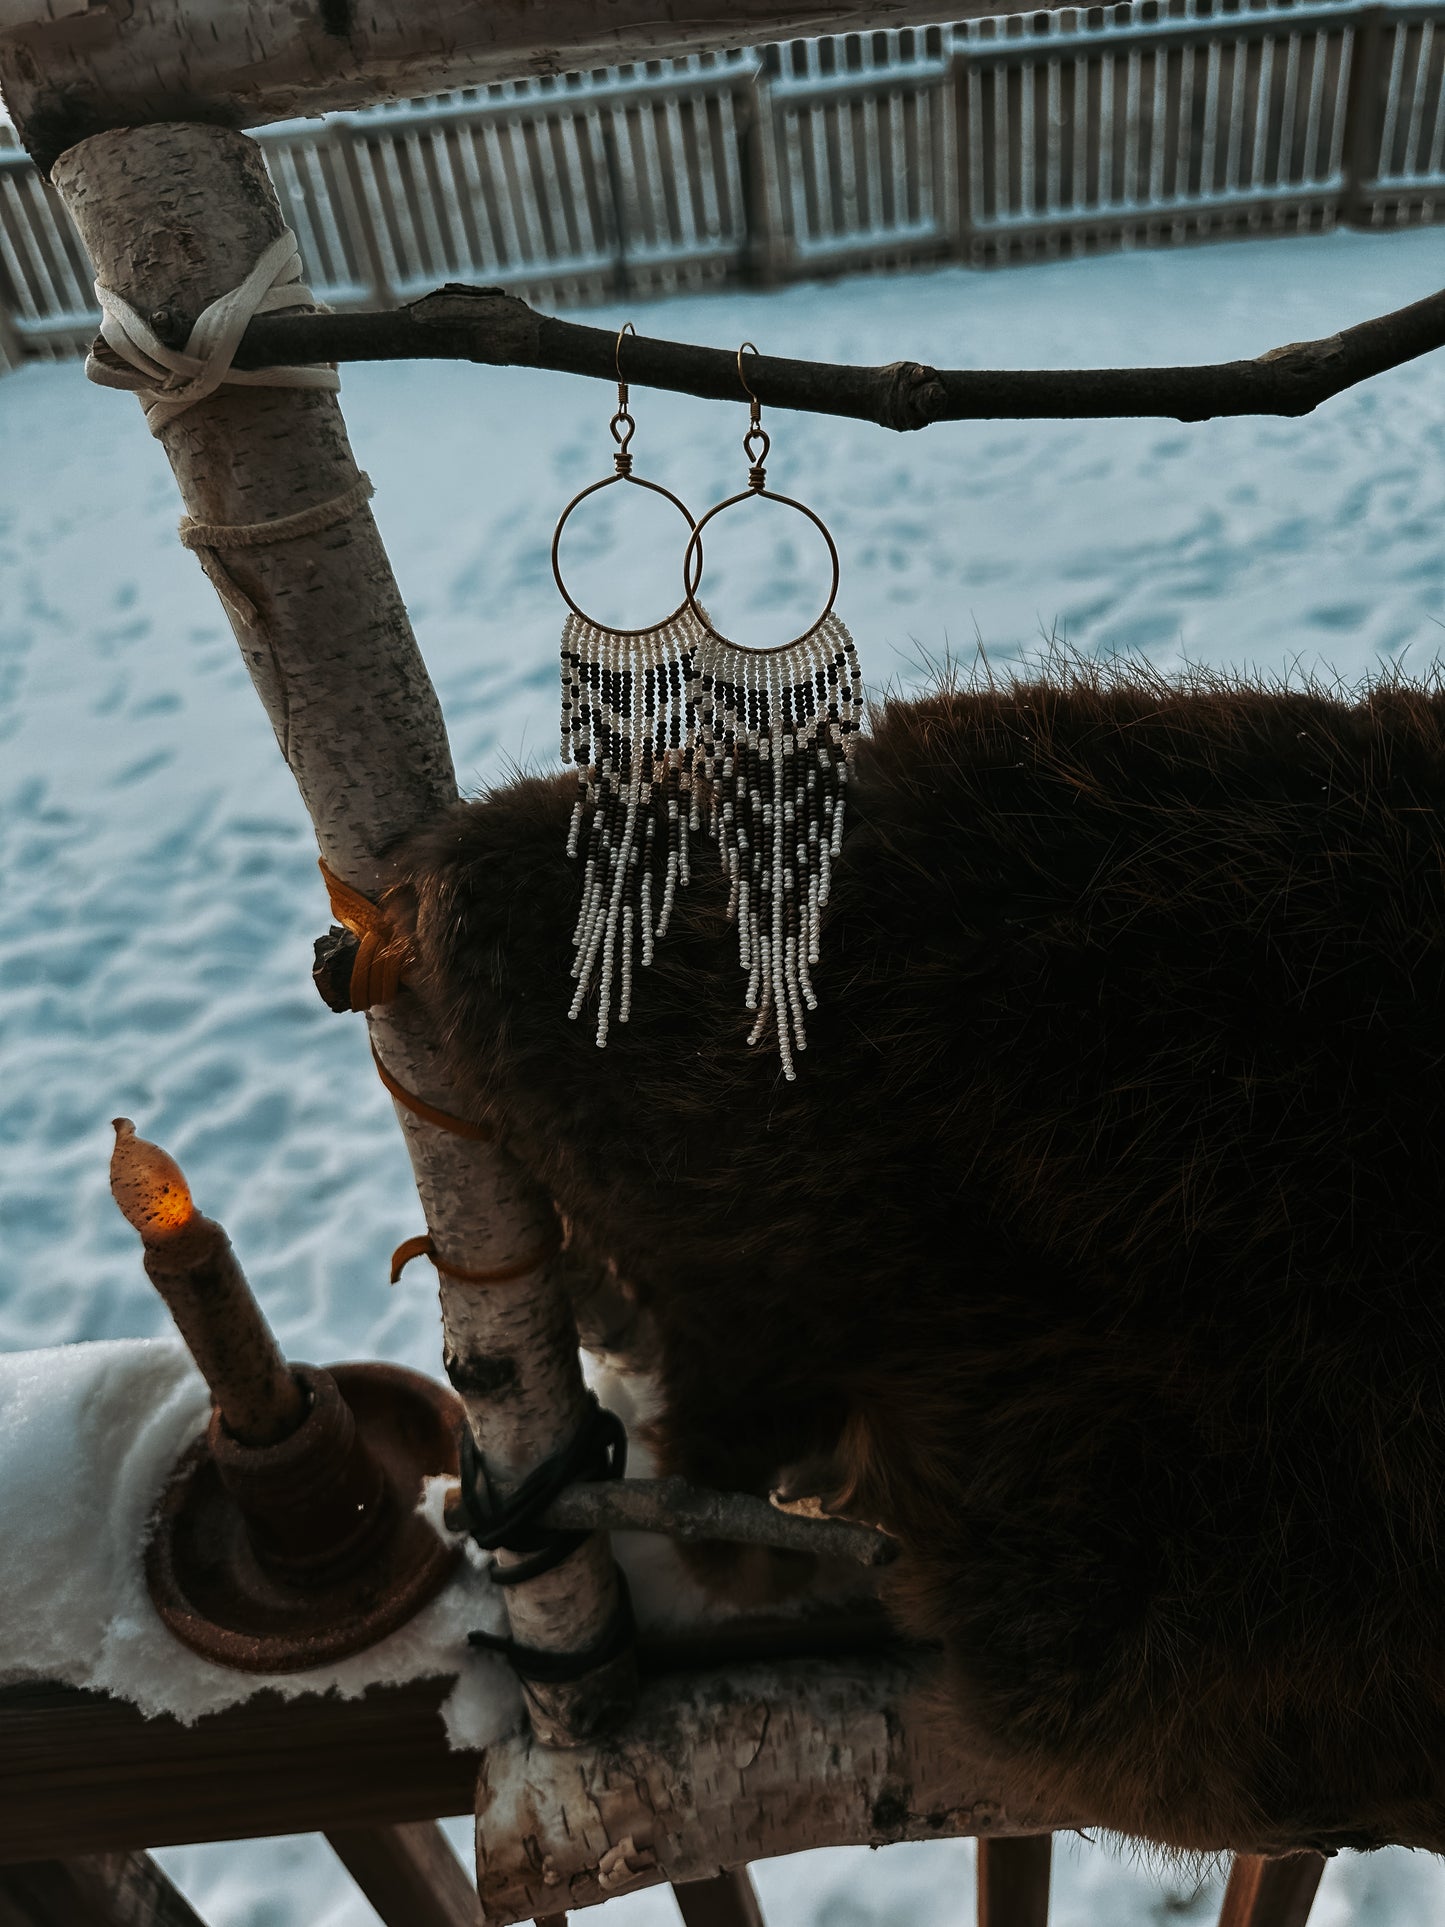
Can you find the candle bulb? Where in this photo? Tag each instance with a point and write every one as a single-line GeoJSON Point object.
{"type": "Point", "coordinates": [147, 1184]}
{"type": "Point", "coordinates": [189, 1260]}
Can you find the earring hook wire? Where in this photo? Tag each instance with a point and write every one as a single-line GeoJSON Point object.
{"type": "Point", "coordinates": [623, 426]}
{"type": "Point", "coordinates": [757, 441]}
{"type": "Point", "coordinates": [622, 430]}
{"type": "Point", "coordinates": [756, 490]}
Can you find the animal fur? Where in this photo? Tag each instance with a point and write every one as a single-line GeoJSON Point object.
{"type": "Point", "coordinates": [1099, 1239]}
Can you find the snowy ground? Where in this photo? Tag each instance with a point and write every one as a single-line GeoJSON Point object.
{"type": "Point", "coordinates": [160, 893]}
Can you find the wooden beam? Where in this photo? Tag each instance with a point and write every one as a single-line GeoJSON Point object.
{"type": "Point", "coordinates": [409, 1874]}
{"type": "Point", "coordinates": [120, 63]}
{"type": "Point", "coordinates": [95, 1890]}
{"type": "Point", "coordinates": [1271, 1892]}
{"type": "Point", "coordinates": [1013, 1881]}
{"type": "Point", "coordinates": [727, 1900]}
{"type": "Point", "coordinates": [80, 1773]}
{"type": "Point", "coordinates": [720, 1769]}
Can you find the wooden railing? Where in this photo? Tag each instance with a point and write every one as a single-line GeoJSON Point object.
{"type": "Point", "coordinates": [1135, 124]}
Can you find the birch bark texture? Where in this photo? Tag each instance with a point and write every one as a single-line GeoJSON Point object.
{"type": "Point", "coordinates": [176, 215]}
{"type": "Point", "coordinates": [718, 1769]}
{"type": "Point", "coordinates": [244, 63]}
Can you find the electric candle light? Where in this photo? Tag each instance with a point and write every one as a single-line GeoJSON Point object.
{"type": "Point", "coordinates": [288, 1534]}
{"type": "Point", "coordinates": [189, 1260]}
{"type": "Point", "coordinates": [147, 1184]}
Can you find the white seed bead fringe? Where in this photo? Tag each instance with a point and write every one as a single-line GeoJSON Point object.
{"type": "Point", "coordinates": [660, 723]}
{"type": "Point", "coordinates": [626, 726]}
{"type": "Point", "coordinates": [774, 735]}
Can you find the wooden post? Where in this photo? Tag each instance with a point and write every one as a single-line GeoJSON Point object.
{"type": "Point", "coordinates": [727, 1900]}
{"type": "Point", "coordinates": [1271, 1893]}
{"type": "Point", "coordinates": [958, 81]}
{"type": "Point", "coordinates": [175, 215]}
{"type": "Point", "coordinates": [1363, 127]}
{"type": "Point", "coordinates": [355, 213]}
{"type": "Point", "coordinates": [95, 1890]}
{"type": "Point", "coordinates": [1013, 1881]}
{"type": "Point", "coordinates": [753, 120]}
{"type": "Point", "coordinates": [11, 352]}
{"type": "Point", "coordinates": [409, 1874]}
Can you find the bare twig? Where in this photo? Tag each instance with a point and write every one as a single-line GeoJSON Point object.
{"type": "Point", "coordinates": [682, 1511]}
{"type": "Point", "coordinates": [487, 325]}
{"type": "Point", "coordinates": [686, 1511]}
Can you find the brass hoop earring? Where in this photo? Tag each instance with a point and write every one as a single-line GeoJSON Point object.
{"type": "Point", "coordinates": [627, 726]}
{"type": "Point", "coordinates": [774, 734]}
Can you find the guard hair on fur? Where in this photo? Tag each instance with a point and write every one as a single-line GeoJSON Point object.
{"type": "Point", "coordinates": [1098, 1244]}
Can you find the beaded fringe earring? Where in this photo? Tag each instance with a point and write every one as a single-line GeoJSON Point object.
{"type": "Point", "coordinates": [627, 724]}
{"type": "Point", "coordinates": [774, 730]}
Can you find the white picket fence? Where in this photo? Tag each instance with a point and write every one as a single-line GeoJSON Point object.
{"type": "Point", "coordinates": [1135, 124]}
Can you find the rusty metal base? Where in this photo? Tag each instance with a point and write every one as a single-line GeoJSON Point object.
{"type": "Point", "coordinates": [217, 1597]}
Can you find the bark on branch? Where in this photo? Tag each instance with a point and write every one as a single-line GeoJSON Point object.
{"type": "Point", "coordinates": [69, 71]}
{"type": "Point", "coordinates": [488, 325]}
{"type": "Point", "coordinates": [681, 1511]}
{"type": "Point", "coordinates": [716, 1769]}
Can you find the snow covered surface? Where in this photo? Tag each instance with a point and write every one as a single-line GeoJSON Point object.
{"type": "Point", "coordinates": [102, 1424]}
{"type": "Point", "coordinates": [159, 880]}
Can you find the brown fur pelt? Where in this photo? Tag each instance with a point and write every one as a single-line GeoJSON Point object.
{"type": "Point", "coordinates": [1100, 1238]}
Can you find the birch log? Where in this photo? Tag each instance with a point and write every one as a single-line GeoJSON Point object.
{"type": "Point", "coordinates": [243, 63]}
{"type": "Point", "coordinates": [718, 1769]}
{"type": "Point", "coordinates": [174, 216]}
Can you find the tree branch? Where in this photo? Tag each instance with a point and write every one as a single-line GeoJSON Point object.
{"type": "Point", "coordinates": [488, 325]}
{"type": "Point", "coordinates": [686, 1511]}
{"type": "Point", "coordinates": [683, 1511]}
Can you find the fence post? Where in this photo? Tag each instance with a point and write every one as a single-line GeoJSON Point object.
{"type": "Point", "coordinates": [1363, 117]}
{"type": "Point", "coordinates": [616, 201]}
{"type": "Point", "coordinates": [958, 78]}
{"type": "Point", "coordinates": [758, 265]}
{"type": "Point", "coordinates": [358, 217]}
{"type": "Point", "coordinates": [11, 353]}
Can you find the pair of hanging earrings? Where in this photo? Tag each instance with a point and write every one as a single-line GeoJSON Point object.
{"type": "Point", "coordinates": [675, 726]}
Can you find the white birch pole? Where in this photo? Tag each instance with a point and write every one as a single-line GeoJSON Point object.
{"type": "Point", "coordinates": [68, 71]}
{"type": "Point", "coordinates": [718, 1769]}
{"type": "Point", "coordinates": [176, 215]}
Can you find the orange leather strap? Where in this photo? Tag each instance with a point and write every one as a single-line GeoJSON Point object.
{"type": "Point", "coordinates": [381, 953]}
{"type": "Point", "coordinates": [422, 1247]}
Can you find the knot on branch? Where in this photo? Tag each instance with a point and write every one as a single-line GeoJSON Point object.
{"type": "Point", "coordinates": [1312, 371]}
{"type": "Point", "coordinates": [913, 395]}
{"type": "Point", "coordinates": [512, 334]}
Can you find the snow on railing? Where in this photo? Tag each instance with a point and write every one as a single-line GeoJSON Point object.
{"type": "Point", "coordinates": [1135, 123]}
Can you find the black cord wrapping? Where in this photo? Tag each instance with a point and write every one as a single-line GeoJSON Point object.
{"type": "Point", "coordinates": [540, 1668]}
{"type": "Point", "coordinates": [596, 1450]}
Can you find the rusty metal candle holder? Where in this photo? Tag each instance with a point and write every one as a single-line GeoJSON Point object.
{"type": "Point", "coordinates": [288, 1534]}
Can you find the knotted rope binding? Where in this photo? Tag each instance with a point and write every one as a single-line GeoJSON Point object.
{"type": "Point", "coordinates": [171, 380]}
{"type": "Point", "coordinates": [210, 539]}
